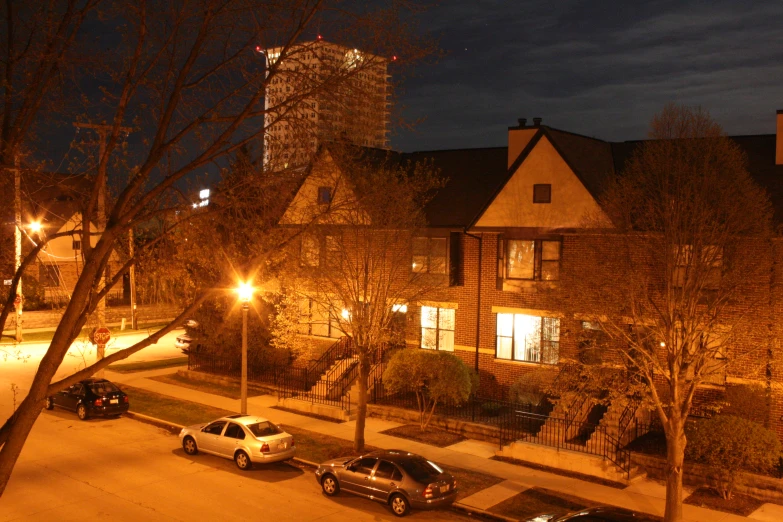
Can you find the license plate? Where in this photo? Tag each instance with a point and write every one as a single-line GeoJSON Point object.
{"type": "Point", "coordinates": [114, 401]}
{"type": "Point", "coordinates": [282, 446]}
{"type": "Point", "coordinates": [445, 488]}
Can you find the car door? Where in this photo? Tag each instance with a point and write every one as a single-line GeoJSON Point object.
{"type": "Point", "coordinates": [230, 440]}
{"type": "Point", "coordinates": [74, 396]}
{"type": "Point", "coordinates": [386, 478]}
{"type": "Point", "coordinates": [209, 436]}
{"type": "Point", "coordinates": [63, 398]}
{"type": "Point", "coordinates": [356, 477]}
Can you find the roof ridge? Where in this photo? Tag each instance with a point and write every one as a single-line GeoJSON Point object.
{"type": "Point", "coordinates": [456, 150]}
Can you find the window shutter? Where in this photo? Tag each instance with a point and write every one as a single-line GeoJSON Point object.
{"type": "Point", "coordinates": [501, 263]}
{"type": "Point", "coordinates": [456, 277]}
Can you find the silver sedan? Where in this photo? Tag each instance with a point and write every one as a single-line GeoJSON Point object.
{"type": "Point", "coordinates": [244, 438]}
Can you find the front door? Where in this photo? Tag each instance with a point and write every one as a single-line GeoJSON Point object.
{"type": "Point", "coordinates": [357, 476]}
{"type": "Point", "coordinates": [386, 479]}
{"type": "Point", "coordinates": [210, 434]}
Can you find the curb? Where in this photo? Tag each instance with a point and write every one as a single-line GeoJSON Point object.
{"type": "Point", "coordinates": [174, 429]}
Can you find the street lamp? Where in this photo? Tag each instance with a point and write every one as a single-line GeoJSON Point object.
{"type": "Point", "coordinates": [35, 227]}
{"type": "Point", "coordinates": [245, 291]}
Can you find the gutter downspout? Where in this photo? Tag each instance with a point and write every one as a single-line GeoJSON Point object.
{"type": "Point", "coordinates": [478, 296]}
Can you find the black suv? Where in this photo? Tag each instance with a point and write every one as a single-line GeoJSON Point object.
{"type": "Point", "coordinates": [91, 397]}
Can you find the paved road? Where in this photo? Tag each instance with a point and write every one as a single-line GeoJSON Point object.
{"type": "Point", "coordinates": [122, 469]}
{"type": "Point", "coordinates": [21, 372]}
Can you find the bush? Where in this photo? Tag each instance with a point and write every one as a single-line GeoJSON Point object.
{"type": "Point", "coordinates": [436, 377]}
{"type": "Point", "coordinates": [528, 389]}
{"type": "Point", "coordinates": [748, 401]}
{"type": "Point", "coordinates": [729, 444]}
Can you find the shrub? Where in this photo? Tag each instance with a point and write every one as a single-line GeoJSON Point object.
{"type": "Point", "coordinates": [529, 389]}
{"type": "Point", "coordinates": [729, 444]}
{"type": "Point", "coordinates": [748, 401]}
{"type": "Point", "coordinates": [435, 376]}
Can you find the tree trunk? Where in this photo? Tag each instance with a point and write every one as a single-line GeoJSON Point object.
{"type": "Point", "coordinates": [361, 408]}
{"type": "Point", "coordinates": [675, 455]}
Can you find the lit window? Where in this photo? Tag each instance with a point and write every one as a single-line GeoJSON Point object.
{"type": "Point", "coordinates": [532, 259]}
{"type": "Point", "coordinates": [429, 255]}
{"type": "Point", "coordinates": [437, 328]}
{"type": "Point", "coordinates": [528, 338]}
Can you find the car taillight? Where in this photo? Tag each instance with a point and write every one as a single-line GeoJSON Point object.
{"type": "Point", "coordinates": [125, 399]}
{"type": "Point", "coordinates": [265, 448]}
{"type": "Point", "coordinates": [98, 402]}
{"type": "Point", "coordinates": [292, 442]}
{"type": "Point", "coordinates": [455, 484]}
{"type": "Point", "coordinates": [428, 491]}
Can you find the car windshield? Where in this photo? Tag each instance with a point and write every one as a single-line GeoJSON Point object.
{"type": "Point", "coordinates": [102, 388]}
{"type": "Point", "coordinates": [420, 469]}
{"type": "Point", "coordinates": [264, 429]}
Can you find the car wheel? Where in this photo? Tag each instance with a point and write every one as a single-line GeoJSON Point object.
{"type": "Point", "coordinates": [399, 505]}
{"type": "Point", "coordinates": [49, 405]}
{"type": "Point", "coordinates": [242, 460]}
{"type": "Point", "coordinates": [330, 485]}
{"type": "Point", "coordinates": [81, 411]}
{"type": "Point", "coordinates": [189, 445]}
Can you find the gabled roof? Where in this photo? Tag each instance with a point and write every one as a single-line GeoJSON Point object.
{"type": "Point", "coordinates": [476, 176]}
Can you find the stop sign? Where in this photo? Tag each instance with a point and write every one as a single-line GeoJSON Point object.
{"type": "Point", "coordinates": [101, 335]}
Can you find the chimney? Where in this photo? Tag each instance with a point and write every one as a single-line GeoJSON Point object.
{"type": "Point", "coordinates": [518, 138]}
{"type": "Point", "coordinates": [779, 139]}
{"type": "Point", "coordinates": [536, 122]}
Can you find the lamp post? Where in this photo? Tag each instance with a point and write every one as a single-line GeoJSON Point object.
{"type": "Point", "coordinates": [245, 292]}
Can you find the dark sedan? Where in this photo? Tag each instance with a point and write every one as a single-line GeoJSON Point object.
{"type": "Point", "coordinates": [90, 398]}
{"type": "Point", "coordinates": [402, 480]}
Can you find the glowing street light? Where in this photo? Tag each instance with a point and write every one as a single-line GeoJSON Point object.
{"type": "Point", "coordinates": [245, 291]}
{"type": "Point", "coordinates": [35, 226]}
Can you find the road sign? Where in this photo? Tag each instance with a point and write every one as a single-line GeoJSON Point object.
{"type": "Point", "coordinates": [101, 335]}
{"type": "Point", "coordinates": [7, 282]}
{"type": "Point", "coordinates": [17, 300]}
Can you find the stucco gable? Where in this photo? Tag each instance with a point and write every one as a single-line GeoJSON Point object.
{"type": "Point", "coordinates": [571, 203]}
{"type": "Point", "coordinates": [305, 208]}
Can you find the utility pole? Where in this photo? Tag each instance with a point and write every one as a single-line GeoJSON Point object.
{"type": "Point", "coordinates": [19, 302]}
{"type": "Point", "coordinates": [103, 131]}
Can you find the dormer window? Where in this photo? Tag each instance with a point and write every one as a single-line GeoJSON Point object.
{"type": "Point", "coordinates": [324, 195]}
{"type": "Point", "coordinates": [542, 193]}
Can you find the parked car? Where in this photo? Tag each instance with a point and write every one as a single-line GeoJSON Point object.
{"type": "Point", "coordinates": [597, 514]}
{"type": "Point", "coordinates": [183, 342]}
{"type": "Point", "coordinates": [401, 479]}
{"type": "Point", "coordinates": [91, 397]}
{"type": "Point", "coordinates": [246, 439]}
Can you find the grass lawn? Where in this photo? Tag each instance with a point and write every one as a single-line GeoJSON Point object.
{"type": "Point", "coordinates": [169, 409]}
{"type": "Point", "coordinates": [148, 365]}
{"type": "Point", "coordinates": [115, 331]}
{"type": "Point", "coordinates": [536, 501]}
{"type": "Point", "coordinates": [432, 436]}
{"type": "Point", "coordinates": [738, 504]}
{"type": "Point", "coordinates": [231, 390]}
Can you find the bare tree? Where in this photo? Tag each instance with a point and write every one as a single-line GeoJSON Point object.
{"type": "Point", "coordinates": [673, 281]}
{"type": "Point", "coordinates": [190, 78]}
{"type": "Point", "coordinates": [354, 263]}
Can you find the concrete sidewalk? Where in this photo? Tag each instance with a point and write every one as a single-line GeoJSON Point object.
{"type": "Point", "coordinates": [645, 495]}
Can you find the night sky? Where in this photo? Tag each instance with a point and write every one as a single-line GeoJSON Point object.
{"type": "Point", "coordinates": [598, 68]}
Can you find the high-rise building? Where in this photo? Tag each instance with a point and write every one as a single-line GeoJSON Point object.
{"type": "Point", "coordinates": [320, 91]}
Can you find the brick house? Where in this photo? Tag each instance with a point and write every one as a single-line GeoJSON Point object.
{"type": "Point", "coordinates": [54, 201]}
{"type": "Point", "coordinates": [508, 231]}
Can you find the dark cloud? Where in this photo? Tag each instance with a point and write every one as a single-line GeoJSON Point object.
{"type": "Point", "coordinates": [593, 67]}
